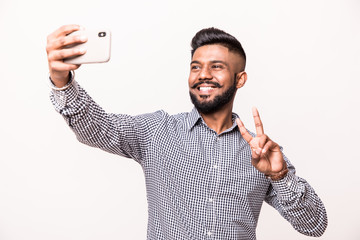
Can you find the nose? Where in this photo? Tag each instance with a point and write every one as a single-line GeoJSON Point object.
{"type": "Point", "coordinates": [205, 74]}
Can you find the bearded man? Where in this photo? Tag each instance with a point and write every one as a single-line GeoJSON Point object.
{"type": "Point", "coordinates": [206, 175]}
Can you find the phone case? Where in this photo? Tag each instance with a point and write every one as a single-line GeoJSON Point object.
{"type": "Point", "coordinates": [98, 47]}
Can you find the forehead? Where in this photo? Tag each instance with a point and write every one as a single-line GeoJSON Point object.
{"type": "Point", "coordinates": [214, 52]}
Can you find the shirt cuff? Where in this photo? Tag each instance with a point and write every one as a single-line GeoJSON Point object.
{"type": "Point", "coordinates": [64, 95]}
{"type": "Point", "coordinates": [287, 186]}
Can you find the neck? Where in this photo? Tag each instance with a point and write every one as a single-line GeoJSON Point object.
{"type": "Point", "coordinates": [220, 120]}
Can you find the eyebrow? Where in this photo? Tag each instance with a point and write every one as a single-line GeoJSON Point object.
{"type": "Point", "coordinates": [192, 62]}
{"type": "Point", "coordinates": [213, 61]}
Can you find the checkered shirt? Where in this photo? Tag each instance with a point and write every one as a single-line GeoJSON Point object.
{"type": "Point", "coordinates": [200, 184]}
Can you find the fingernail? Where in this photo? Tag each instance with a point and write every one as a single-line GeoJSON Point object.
{"type": "Point", "coordinates": [257, 151]}
{"type": "Point", "coordinates": [263, 151]}
{"type": "Point", "coordinates": [82, 50]}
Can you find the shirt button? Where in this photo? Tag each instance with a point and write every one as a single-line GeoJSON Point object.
{"type": "Point", "coordinates": [215, 166]}
{"type": "Point", "coordinates": [209, 233]}
{"type": "Point", "coordinates": [289, 183]}
{"type": "Point", "coordinates": [211, 200]}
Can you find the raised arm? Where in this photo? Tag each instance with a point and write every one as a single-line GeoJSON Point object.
{"type": "Point", "coordinates": [266, 154]}
{"type": "Point", "coordinates": [291, 195]}
{"type": "Point", "coordinates": [121, 134]}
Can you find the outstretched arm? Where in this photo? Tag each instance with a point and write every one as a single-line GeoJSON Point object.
{"type": "Point", "coordinates": [120, 134]}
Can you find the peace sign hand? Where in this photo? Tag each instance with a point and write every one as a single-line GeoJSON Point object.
{"type": "Point", "coordinates": [266, 154]}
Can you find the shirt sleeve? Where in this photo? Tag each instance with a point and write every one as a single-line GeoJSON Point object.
{"type": "Point", "coordinates": [298, 203]}
{"type": "Point", "coordinates": [127, 136]}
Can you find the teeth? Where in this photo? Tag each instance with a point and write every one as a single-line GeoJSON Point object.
{"type": "Point", "coordinates": [205, 88]}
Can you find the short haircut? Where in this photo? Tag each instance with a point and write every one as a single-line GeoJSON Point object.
{"type": "Point", "coordinates": [209, 36]}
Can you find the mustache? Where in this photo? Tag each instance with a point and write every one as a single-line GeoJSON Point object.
{"type": "Point", "coordinates": [216, 84]}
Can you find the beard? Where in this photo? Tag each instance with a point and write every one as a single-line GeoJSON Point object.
{"type": "Point", "coordinates": [219, 101]}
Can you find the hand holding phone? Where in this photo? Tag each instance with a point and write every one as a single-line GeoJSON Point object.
{"type": "Point", "coordinates": [67, 43]}
{"type": "Point", "coordinates": [97, 46]}
{"type": "Point", "coordinates": [56, 52]}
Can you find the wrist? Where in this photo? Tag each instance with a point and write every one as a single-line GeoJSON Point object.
{"type": "Point", "coordinates": [62, 85]}
{"type": "Point", "coordinates": [279, 175]}
{"type": "Point", "coordinates": [60, 79]}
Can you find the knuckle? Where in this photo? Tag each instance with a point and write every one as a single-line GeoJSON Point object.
{"type": "Point", "coordinates": [50, 56]}
{"type": "Point", "coordinates": [62, 55]}
{"type": "Point", "coordinates": [52, 65]}
{"type": "Point", "coordinates": [67, 28]}
{"type": "Point", "coordinates": [49, 48]}
{"type": "Point", "coordinates": [63, 28]}
{"type": "Point", "coordinates": [62, 41]}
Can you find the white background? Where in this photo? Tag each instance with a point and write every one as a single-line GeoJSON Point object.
{"type": "Point", "coordinates": [303, 67]}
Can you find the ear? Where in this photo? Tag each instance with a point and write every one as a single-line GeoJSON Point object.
{"type": "Point", "coordinates": [241, 78]}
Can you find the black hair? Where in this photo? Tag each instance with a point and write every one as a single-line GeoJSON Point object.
{"type": "Point", "coordinates": [213, 35]}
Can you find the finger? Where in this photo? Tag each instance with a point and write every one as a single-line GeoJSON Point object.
{"type": "Point", "coordinates": [57, 55]}
{"type": "Point", "coordinates": [255, 156]}
{"type": "Point", "coordinates": [66, 29]}
{"type": "Point", "coordinates": [61, 42]}
{"type": "Point", "coordinates": [244, 133]}
{"type": "Point", "coordinates": [60, 66]}
{"type": "Point", "coordinates": [270, 146]}
{"type": "Point", "coordinates": [263, 139]}
{"type": "Point", "coordinates": [258, 123]}
{"type": "Point", "coordinates": [63, 31]}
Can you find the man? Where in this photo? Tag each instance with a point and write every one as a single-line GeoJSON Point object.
{"type": "Point", "coordinates": [206, 175]}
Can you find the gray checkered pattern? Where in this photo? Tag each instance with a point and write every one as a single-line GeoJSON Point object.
{"type": "Point", "coordinates": [200, 185]}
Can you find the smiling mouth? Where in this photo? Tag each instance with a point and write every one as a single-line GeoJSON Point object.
{"type": "Point", "coordinates": [206, 84]}
{"type": "Point", "coordinates": [207, 88]}
{"type": "Point", "coordinates": [205, 91]}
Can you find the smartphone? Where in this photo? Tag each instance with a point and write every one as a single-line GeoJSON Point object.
{"type": "Point", "coordinates": [98, 47]}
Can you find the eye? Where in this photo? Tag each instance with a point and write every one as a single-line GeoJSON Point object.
{"type": "Point", "coordinates": [195, 67]}
{"type": "Point", "coordinates": [217, 66]}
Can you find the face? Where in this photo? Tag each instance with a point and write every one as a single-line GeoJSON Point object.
{"type": "Point", "coordinates": [215, 75]}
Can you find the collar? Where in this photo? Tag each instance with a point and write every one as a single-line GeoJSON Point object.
{"type": "Point", "coordinates": [194, 118]}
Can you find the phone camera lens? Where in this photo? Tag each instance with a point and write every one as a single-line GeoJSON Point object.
{"type": "Point", "coordinates": [102, 34]}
